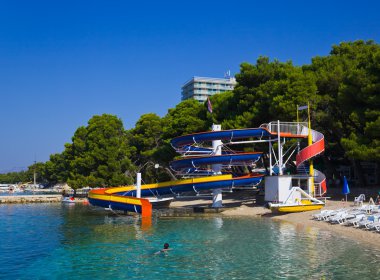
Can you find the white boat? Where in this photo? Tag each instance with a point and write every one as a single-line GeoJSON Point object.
{"type": "Point", "coordinates": [4, 187]}
{"type": "Point", "coordinates": [14, 188]}
{"type": "Point", "coordinates": [162, 202]}
{"type": "Point", "coordinates": [68, 199]}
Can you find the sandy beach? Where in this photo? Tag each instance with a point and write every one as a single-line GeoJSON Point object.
{"type": "Point", "coordinates": [244, 204]}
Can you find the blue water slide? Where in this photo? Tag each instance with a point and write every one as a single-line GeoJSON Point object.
{"type": "Point", "coordinates": [194, 150]}
{"type": "Point", "coordinates": [197, 162]}
{"type": "Point", "coordinates": [197, 172]}
{"type": "Point", "coordinates": [231, 135]}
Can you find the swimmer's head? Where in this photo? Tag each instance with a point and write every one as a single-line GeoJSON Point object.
{"type": "Point", "coordinates": [166, 246]}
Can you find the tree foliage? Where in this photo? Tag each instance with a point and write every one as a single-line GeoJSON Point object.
{"type": "Point", "coordinates": [14, 177]}
{"type": "Point", "coordinates": [265, 92]}
{"type": "Point", "coordinates": [348, 81]}
{"type": "Point", "coordinates": [187, 117]}
{"type": "Point", "coordinates": [146, 137]}
{"type": "Point", "coordinates": [100, 154]}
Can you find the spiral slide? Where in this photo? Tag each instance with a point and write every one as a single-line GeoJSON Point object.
{"type": "Point", "coordinates": [316, 148]}
{"type": "Point", "coordinates": [124, 198]}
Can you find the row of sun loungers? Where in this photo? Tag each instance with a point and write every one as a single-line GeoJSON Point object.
{"type": "Point", "coordinates": [366, 216]}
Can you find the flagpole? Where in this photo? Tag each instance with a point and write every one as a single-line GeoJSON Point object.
{"type": "Point", "coordinates": [310, 142]}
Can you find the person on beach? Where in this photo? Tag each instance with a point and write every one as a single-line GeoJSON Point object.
{"type": "Point", "coordinates": [166, 248]}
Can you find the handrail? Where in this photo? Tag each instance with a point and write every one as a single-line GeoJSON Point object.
{"type": "Point", "coordinates": [296, 128]}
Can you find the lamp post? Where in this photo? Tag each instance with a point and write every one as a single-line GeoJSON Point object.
{"type": "Point", "coordinates": [138, 185]}
{"type": "Point", "coordinates": [138, 175]}
{"type": "Point", "coordinates": [167, 170]}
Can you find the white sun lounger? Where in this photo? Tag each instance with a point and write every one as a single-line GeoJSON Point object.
{"type": "Point", "coordinates": [325, 214]}
{"type": "Point", "coordinates": [373, 225]}
{"type": "Point", "coordinates": [339, 217]}
{"type": "Point", "coordinates": [376, 220]}
{"type": "Point", "coordinates": [333, 213]}
{"type": "Point", "coordinates": [377, 227]}
{"type": "Point", "coordinates": [375, 209]}
{"type": "Point", "coordinates": [357, 219]}
{"type": "Point", "coordinates": [366, 222]}
{"type": "Point", "coordinates": [360, 222]}
{"type": "Point", "coordinates": [345, 219]}
{"type": "Point", "coordinates": [319, 216]}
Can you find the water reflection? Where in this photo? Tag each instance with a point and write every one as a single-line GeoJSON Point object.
{"type": "Point", "coordinates": [86, 243]}
{"type": "Point", "coordinates": [218, 222]}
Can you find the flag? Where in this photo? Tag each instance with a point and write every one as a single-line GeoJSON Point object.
{"type": "Point", "coordinates": [227, 75]}
{"type": "Point", "coordinates": [302, 107]}
{"type": "Point", "coordinates": [209, 106]}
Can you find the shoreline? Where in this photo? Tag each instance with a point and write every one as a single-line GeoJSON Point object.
{"type": "Point", "coordinates": [247, 207]}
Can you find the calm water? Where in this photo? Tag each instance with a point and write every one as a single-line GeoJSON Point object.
{"type": "Point", "coordinates": [52, 241]}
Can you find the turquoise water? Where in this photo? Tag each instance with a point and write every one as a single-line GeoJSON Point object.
{"type": "Point", "coordinates": [52, 241]}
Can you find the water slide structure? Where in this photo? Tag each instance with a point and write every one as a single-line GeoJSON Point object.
{"type": "Point", "coordinates": [208, 163]}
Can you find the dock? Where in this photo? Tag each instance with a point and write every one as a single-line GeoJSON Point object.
{"type": "Point", "coordinates": [37, 198]}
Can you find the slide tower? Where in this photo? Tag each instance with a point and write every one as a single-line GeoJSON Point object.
{"type": "Point", "coordinates": [209, 162]}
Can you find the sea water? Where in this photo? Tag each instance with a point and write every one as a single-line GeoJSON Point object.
{"type": "Point", "coordinates": [53, 241]}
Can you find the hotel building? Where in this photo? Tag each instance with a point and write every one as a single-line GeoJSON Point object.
{"type": "Point", "coordinates": [199, 88]}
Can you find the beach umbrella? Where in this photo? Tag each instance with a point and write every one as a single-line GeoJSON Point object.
{"type": "Point", "coordinates": [346, 189]}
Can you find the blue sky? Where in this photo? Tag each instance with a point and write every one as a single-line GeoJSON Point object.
{"type": "Point", "coordinates": [61, 62]}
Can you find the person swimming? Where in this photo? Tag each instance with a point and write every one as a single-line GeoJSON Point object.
{"type": "Point", "coordinates": [165, 249]}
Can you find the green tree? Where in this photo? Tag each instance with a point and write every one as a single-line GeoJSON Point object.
{"type": "Point", "coordinates": [57, 169]}
{"type": "Point", "coordinates": [348, 82]}
{"type": "Point", "coordinates": [37, 168]}
{"type": "Point", "coordinates": [146, 137]}
{"type": "Point", "coordinates": [14, 177]}
{"type": "Point", "coordinates": [187, 117]}
{"type": "Point", "coordinates": [100, 154]}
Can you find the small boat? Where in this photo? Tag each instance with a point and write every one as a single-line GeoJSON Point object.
{"type": "Point", "coordinates": [308, 203]}
{"type": "Point", "coordinates": [162, 202]}
{"type": "Point", "coordinates": [292, 208]}
{"type": "Point", "coordinates": [68, 199]}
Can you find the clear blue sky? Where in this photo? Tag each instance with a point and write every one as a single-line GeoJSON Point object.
{"type": "Point", "coordinates": [61, 62]}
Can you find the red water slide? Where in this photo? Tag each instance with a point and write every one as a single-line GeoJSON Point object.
{"type": "Point", "coordinates": [316, 148]}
